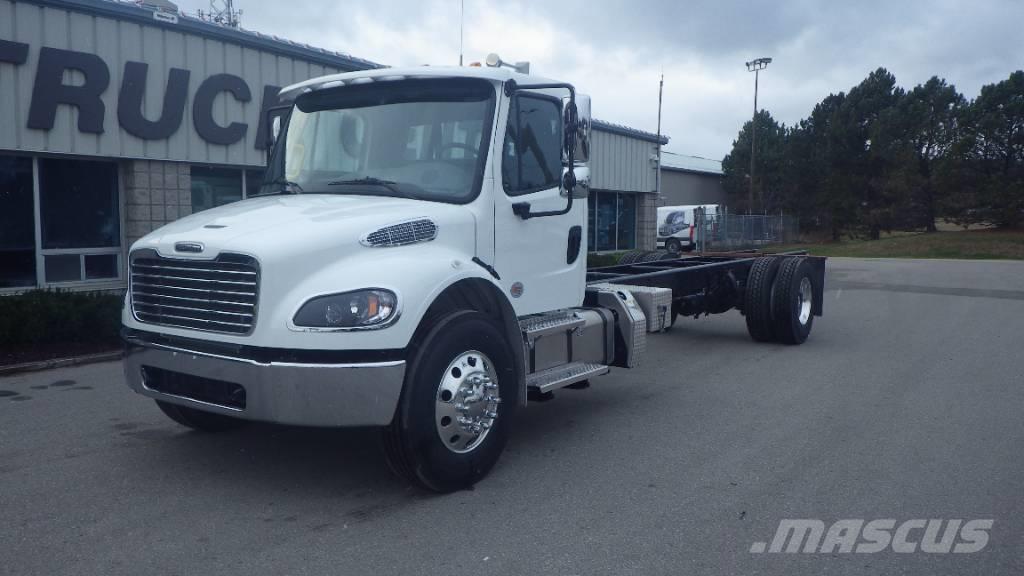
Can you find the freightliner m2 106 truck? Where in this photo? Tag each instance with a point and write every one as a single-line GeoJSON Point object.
{"type": "Point", "coordinates": [416, 261]}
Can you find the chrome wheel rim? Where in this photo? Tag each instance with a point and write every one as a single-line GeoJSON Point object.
{"type": "Point", "coordinates": [805, 295]}
{"type": "Point", "coordinates": [466, 405]}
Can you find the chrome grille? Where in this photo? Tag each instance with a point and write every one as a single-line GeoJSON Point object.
{"type": "Point", "coordinates": [420, 230]}
{"type": "Point", "coordinates": [215, 295]}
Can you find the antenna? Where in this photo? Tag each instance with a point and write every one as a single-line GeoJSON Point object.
{"type": "Point", "coordinates": [462, 18]}
{"type": "Point", "coordinates": [222, 12]}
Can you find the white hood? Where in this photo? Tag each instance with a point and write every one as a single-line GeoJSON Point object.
{"type": "Point", "coordinates": [273, 227]}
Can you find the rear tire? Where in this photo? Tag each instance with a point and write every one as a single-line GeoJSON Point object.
{"type": "Point", "coordinates": [757, 300]}
{"type": "Point", "coordinates": [792, 301]}
{"type": "Point", "coordinates": [199, 420]}
{"type": "Point", "coordinates": [650, 256]}
{"type": "Point", "coordinates": [413, 443]}
{"type": "Point", "coordinates": [632, 256]}
{"type": "Point", "coordinates": [673, 245]}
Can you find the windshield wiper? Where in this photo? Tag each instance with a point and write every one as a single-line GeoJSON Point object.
{"type": "Point", "coordinates": [389, 185]}
{"type": "Point", "coordinates": [287, 186]}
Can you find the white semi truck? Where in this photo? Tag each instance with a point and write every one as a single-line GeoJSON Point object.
{"type": "Point", "coordinates": [416, 261]}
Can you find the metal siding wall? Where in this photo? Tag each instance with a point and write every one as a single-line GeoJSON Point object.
{"type": "Point", "coordinates": [686, 188]}
{"type": "Point", "coordinates": [176, 56]}
{"type": "Point", "coordinates": [621, 163]}
{"type": "Point", "coordinates": [129, 42]}
{"type": "Point", "coordinates": [8, 78]}
{"type": "Point", "coordinates": [116, 42]}
{"type": "Point", "coordinates": [108, 47]}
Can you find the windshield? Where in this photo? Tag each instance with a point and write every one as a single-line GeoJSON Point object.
{"type": "Point", "coordinates": [423, 139]}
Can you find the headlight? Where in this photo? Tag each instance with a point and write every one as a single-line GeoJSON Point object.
{"type": "Point", "coordinates": [357, 309]}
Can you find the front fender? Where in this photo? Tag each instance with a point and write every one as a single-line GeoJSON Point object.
{"type": "Point", "coordinates": [417, 274]}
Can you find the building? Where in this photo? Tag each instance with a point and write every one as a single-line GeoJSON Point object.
{"type": "Point", "coordinates": [623, 197]}
{"type": "Point", "coordinates": [118, 118]}
{"type": "Point", "coordinates": [690, 180]}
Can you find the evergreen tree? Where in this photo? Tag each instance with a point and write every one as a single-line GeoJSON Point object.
{"type": "Point", "coordinates": [929, 117]}
{"type": "Point", "coordinates": [986, 180]}
{"type": "Point", "coordinates": [871, 146]}
{"type": "Point", "coordinates": [768, 173]}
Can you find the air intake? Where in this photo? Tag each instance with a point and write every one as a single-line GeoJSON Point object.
{"type": "Point", "coordinates": [401, 234]}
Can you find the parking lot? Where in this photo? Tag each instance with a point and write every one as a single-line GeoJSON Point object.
{"type": "Point", "coordinates": [906, 402]}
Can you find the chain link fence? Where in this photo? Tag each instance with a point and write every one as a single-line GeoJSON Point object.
{"type": "Point", "coordinates": [722, 231]}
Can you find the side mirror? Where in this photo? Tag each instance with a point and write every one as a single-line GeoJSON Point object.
{"type": "Point", "coordinates": [582, 189]}
{"type": "Point", "coordinates": [576, 128]}
{"type": "Point", "coordinates": [576, 181]}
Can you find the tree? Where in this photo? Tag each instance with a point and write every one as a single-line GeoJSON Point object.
{"type": "Point", "coordinates": [986, 183]}
{"type": "Point", "coordinates": [871, 143]}
{"type": "Point", "coordinates": [768, 173]}
{"type": "Point", "coordinates": [929, 119]}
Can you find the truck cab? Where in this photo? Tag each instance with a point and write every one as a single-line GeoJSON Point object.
{"type": "Point", "coordinates": [402, 210]}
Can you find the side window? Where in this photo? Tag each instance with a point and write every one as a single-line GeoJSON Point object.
{"type": "Point", "coordinates": [532, 152]}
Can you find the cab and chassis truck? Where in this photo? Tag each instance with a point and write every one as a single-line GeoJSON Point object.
{"type": "Point", "coordinates": [416, 261]}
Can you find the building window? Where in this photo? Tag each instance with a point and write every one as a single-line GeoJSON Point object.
{"type": "Point", "coordinates": [78, 204]}
{"type": "Point", "coordinates": [253, 182]}
{"type": "Point", "coordinates": [17, 215]}
{"type": "Point", "coordinates": [79, 220]}
{"type": "Point", "coordinates": [611, 221]}
{"type": "Point", "coordinates": [214, 187]}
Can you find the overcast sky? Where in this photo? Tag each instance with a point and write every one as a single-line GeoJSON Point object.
{"type": "Point", "coordinates": [615, 50]}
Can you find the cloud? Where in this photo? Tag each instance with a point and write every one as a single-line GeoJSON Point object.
{"type": "Point", "coordinates": [615, 50]}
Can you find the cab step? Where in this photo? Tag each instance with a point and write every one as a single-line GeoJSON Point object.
{"type": "Point", "coordinates": [563, 321]}
{"type": "Point", "coordinates": [562, 376]}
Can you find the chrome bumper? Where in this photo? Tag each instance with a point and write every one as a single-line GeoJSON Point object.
{"type": "Point", "coordinates": [364, 394]}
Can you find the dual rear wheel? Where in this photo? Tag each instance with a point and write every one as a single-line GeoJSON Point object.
{"type": "Point", "coordinates": [778, 302]}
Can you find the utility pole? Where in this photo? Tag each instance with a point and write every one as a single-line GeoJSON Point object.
{"type": "Point", "coordinates": [754, 66]}
{"type": "Point", "coordinates": [657, 175]}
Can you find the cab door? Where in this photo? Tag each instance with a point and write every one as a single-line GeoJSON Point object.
{"type": "Point", "coordinates": [541, 260]}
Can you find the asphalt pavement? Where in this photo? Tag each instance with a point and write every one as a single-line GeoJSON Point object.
{"type": "Point", "coordinates": [905, 403]}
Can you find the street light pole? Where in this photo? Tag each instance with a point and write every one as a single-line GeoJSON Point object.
{"type": "Point", "coordinates": [754, 66]}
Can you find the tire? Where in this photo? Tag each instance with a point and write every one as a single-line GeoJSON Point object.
{"type": "Point", "coordinates": [665, 256]}
{"type": "Point", "coordinates": [632, 256]}
{"type": "Point", "coordinates": [757, 299]}
{"type": "Point", "coordinates": [649, 256]}
{"type": "Point", "coordinates": [792, 301]}
{"type": "Point", "coordinates": [673, 245]}
{"type": "Point", "coordinates": [414, 446]}
{"type": "Point", "coordinates": [199, 420]}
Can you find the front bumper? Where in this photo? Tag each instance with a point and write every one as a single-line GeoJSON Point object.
{"type": "Point", "coordinates": [304, 394]}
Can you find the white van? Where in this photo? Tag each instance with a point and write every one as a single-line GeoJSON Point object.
{"type": "Point", "coordinates": [676, 230]}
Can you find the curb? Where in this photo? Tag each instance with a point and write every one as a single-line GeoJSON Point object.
{"type": "Point", "coordinates": [60, 363]}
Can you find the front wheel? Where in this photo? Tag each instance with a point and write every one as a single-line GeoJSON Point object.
{"type": "Point", "coordinates": [457, 405]}
{"type": "Point", "coordinates": [674, 246]}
